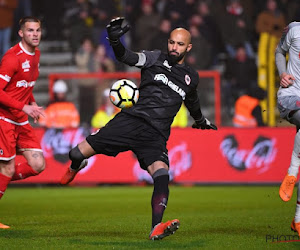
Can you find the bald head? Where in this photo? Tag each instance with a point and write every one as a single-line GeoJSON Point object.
{"type": "Point", "coordinates": [182, 34]}
{"type": "Point", "coordinates": [179, 44]}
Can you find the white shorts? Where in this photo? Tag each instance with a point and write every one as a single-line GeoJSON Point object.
{"type": "Point", "coordinates": [286, 104]}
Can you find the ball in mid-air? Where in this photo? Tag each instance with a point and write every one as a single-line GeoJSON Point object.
{"type": "Point", "coordinates": [124, 93]}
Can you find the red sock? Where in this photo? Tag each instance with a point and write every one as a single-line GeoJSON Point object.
{"type": "Point", "coordinates": [22, 171]}
{"type": "Point", "coordinates": [4, 180]}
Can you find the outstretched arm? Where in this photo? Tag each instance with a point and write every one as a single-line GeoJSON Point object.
{"type": "Point", "coordinates": [115, 31]}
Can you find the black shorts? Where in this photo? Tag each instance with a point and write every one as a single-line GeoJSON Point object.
{"type": "Point", "coordinates": [126, 132]}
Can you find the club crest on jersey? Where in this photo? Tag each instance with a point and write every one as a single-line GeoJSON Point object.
{"type": "Point", "coordinates": [26, 66]}
{"type": "Point", "coordinates": [187, 79]}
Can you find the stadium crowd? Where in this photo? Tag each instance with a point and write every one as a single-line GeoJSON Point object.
{"type": "Point", "coordinates": [225, 34]}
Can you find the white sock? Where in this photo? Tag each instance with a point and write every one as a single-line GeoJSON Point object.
{"type": "Point", "coordinates": [295, 161]}
{"type": "Point", "coordinates": [297, 214]}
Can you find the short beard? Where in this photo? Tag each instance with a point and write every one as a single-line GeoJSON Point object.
{"type": "Point", "coordinates": [174, 59]}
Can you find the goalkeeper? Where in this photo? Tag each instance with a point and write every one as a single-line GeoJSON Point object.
{"type": "Point", "coordinates": [166, 81]}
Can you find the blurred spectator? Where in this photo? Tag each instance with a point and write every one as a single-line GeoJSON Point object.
{"type": "Point", "coordinates": [103, 12]}
{"type": "Point", "coordinates": [102, 62]}
{"type": "Point", "coordinates": [146, 27]}
{"type": "Point", "coordinates": [209, 29]}
{"type": "Point", "coordinates": [249, 7]}
{"type": "Point", "coordinates": [248, 113]}
{"type": "Point", "coordinates": [84, 56]}
{"type": "Point", "coordinates": [53, 12]}
{"type": "Point", "coordinates": [105, 113]}
{"type": "Point", "coordinates": [131, 14]}
{"type": "Point", "coordinates": [23, 9]}
{"type": "Point", "coordinates": [85, 61]}
{"type": "Point", "coordinates": [160, 38]}
{"type": "Point", "coordinates": [271, 20]}
{"type": "Point", "coordinates": [236, 28]}
{"type": "Point", "coordinates": [60, 113]}
{"type": "Point", "coordinates": [78, 18]}
{"type": "Point", "coordinates": [176, 11]}
{"type": "Point", "coordinates": [7, 8]}
{"type": "Point", "coordinates": [200, 57]}
{"type": "Point", "coordinates": [181, 119]}
{"type": "Point", "coordinates": [291, 9]}
{"type": "Point", "coordinates": [240, 75]}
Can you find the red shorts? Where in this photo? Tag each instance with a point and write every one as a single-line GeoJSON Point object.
{"type": "Point", "coordinates": [15, 138]}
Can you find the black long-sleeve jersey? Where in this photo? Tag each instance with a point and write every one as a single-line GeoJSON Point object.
{"type": "Point", "coordinates": [162, 90]}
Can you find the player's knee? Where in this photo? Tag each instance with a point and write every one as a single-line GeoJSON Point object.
{"type": "Point", "coordinates": [160, 172]}
{"type": "Point", "coordinates": [75, 155]}
{"type": "Point", "coordinates": [38, 164]}
{"type": "Point", "coordinates": [7, 170]}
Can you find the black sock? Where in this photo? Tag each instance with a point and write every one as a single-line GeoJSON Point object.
{"type": "Point", "coordinates": [76, 157]}
{"type": "Point", "coordinates": [75, 165]}
{"type": "Point", "coordinates": [159, 198]}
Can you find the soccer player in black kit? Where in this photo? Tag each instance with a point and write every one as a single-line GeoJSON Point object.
{"type": "Point", "coordinates": [166, 81]}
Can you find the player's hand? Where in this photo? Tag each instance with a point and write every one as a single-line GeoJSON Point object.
{"type": "Point", "coordinates": [115, 29]}
{"type": "Point", "coordinates": [204, 124]}
{"type": "Point", "coordinates": [286, 80]}
{"type": "Point", "coordinates": [34, 111]}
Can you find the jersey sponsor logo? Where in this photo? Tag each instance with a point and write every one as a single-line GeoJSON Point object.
{"type": "Point", "coordinates": [25, 84]}
{"type": "Point", "coordinates": [187, 79]}
{"type": "Point", "coordinates": [5, 78]}
{"type": "Point", "coordinates": [170, 84]}
{"type": "Point", "coordinates": [167, 65]}
{"type": "Point", "coordinates": [26, 66]}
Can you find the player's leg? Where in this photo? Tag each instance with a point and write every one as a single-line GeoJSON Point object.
{"type": "Point", "coordinates": [295, 226]}
{"type": "Point", "coordinates": [35, 164]}
{"type": "Point", "coordinates": [29, 146]}
{"type": "Point", "coordinates": [160, 174]}
{"type": "Point", "coordinates": [78, 155]}
{"type": "Point", "coordinates": [7, 157]}
{"type": "Point", "coordinates": [7, 154]}
{"type": "Point", "coordinates": [100, 142]}
{"type": "Point", "coordinates": [7, 169]}
{"type": "Point", "coordinates": [287, 186]}
{"type": "Point", "coordinates": [152, 155]}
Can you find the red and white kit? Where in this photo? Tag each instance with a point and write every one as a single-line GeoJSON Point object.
{"type": "Point", "coordinates": [19, 71]}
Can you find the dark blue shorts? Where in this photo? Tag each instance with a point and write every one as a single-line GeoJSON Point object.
{"type": "Point", "coordinates": [126, 132]}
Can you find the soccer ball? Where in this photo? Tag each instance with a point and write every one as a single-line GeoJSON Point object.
{"type": "Point", "coordinates": [124, 93]}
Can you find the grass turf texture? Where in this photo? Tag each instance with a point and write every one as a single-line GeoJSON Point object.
{"type": "Point", "coordinates": [119, 217]}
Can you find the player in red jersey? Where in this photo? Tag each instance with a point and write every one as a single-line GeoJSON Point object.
{"type": "Point", "coordinates": [19, 70]}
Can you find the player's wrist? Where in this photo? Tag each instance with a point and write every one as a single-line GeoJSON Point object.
{"type": "Point", "coordinates": [282, 75]}
{"type": "Point", "coordinates": [200, 121]}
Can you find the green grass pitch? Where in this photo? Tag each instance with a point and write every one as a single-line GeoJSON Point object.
{"type": "Point", "coordinates": [119, 217]}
